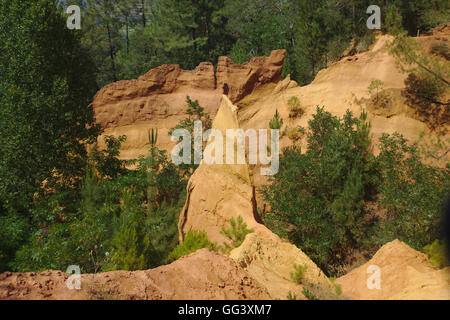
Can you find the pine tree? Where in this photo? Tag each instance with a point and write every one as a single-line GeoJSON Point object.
{"type": "Point", "coordinates": [311, 38]}
{"type": "Point", "coordinates": [188, 32]}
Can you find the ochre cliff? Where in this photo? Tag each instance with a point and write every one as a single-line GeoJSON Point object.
{"type": "Point", "coordinates": [158, 98]}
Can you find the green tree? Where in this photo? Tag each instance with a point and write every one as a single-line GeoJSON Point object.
{"type": "Point", "coordinates": [311, 44]}
{"type": "Point", "coordinates": [412, 217]}
{"type": "Point", "coordinates": [317, 197]}
{"type": "Point", "coordinates": [260, 26]}
{"type": "Point", "coordinates": [105, 25]}
{"type": "Point", "coordinates": [422, 15]}
{"type": "Point", "coordinates": [188, 32]}
{"type": "Point", "coordinates": [276, 122]}
{"type": "Point", "coordinates": [374, 89]}
{"type": "Point", "coordinates": [44, 119]}
{"type": "Point", "coordinates": [393, 21]}
{"type": "Point", "coordinates": [116, 223]}
{"type": "Point", "coordinates": [193, 240]}
{"type": "Point", "coordinates": [195, 113]}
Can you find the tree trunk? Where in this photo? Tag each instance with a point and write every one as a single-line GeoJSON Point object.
{"type": "Point", "coordinates": [111, 53]}
{"type": "Point", "coordinates": [354, 18]}
{"type": "Point", "coordinates": [127, 38]}
{"type": "Point", "coordinates": [143, 12]}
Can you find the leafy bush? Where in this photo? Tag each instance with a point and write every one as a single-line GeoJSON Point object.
{"type": "Point", "coordinates": [378, 95]}
{"type": "Point", "coordinates": [309, 295]}
{"type": "Point", "coordinates": [106, 161]}
{"type": "Point", "coordinates": [438, 254]}
{"type": "Point", "coordinates": [299, 273]}
{"type": "Point", "coordinates": [317, 198]}
{"type": "Point", "coordinates": [393, 21]}
{"type": "Point", "coordinates": [337, 287]}
{"type": "Point", "coordinates": [193, 240]}
{"type": "Point", "coordinates": [405, 180]}
{"type": "Point", "coordinates": [295, 108]}
{"type": "Point", "coordinates": [236, 234]}
{"type": "Point", "coordinates": [295, 134]}
{"type": "Point", "coordinates": [124, 219]}
{"type": "Point", "coordinates": [80, 238]}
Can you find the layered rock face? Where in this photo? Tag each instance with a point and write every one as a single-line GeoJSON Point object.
{"type": "Point", "coordinates": [158, 98]}
{"type": "Point", "coordinates": [272, 262]}
{"type": "Point", "coordinates": [344, 86]}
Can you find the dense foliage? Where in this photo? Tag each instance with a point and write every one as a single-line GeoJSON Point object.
{"type": "Point", "coordinates": [46, 83]}
{"type": "Point", "coordinates": [128, 37]}
{"type": "Point", "coordinates": [319, 198]}
{"type": "Point", "coordinates": [126, 223]}
{"type": "Point", "coordinates": [193, 241]}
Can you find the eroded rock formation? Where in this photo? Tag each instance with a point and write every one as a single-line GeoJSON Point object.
{"type": "Point", "coordinates": [404, 274]}
{"type": "Point", "coordinates": [272, 262]}
{"type": "Point", "coordinates": [158, 98]}
{"type": "Point", "coordinates": [218, 192]}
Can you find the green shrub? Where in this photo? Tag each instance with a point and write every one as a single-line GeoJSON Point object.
{"type": "Point", "coordinates": [81, 239]}
{"type": "Point", "coordinates": [299, 273]}
{"type": "Point", "coordinates": [124, 219]}
{"type": "Point", "coordinates": [309, 295]}
{"type": "Point", "coordinates": [295, 134]}
{"type": "Point", "coordinates": [106, 162]}
{"type": "Point", "coordinates": [193, 241]}
{"type": "Point", "coordinates": [337, 287]}
{"type": "Point", "coordinates": [393, 21]}
{"type": "Point", "coordinates": [438, 254]}
{"type": "Point", "coordinates": [236, 234]}
{"type": "Point", "coordinates": [290, 296]}
{"type": "Point", "coordinates": [130, 243]}
{"type": "Point", "coordinates": [411, 192]}
{"type": "Point", "coordinates": [295, 108]}
{"type": "Point", "coordinates": [317, 198]}
{"type": "Point", "coordinates": [162, 225]}
{"type": "Point", "coordinates": [195, 113]}
{"type": "Point", "coordinates": [277, 122]}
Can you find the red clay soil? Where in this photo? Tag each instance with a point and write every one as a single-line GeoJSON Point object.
{"type": "Point", "coordinates": [203, 275]}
